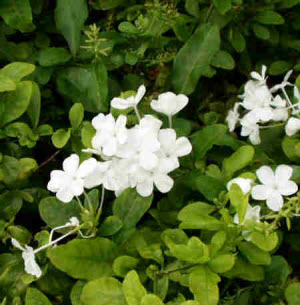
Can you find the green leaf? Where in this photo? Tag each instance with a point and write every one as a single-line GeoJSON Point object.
{"type": "Point", "coordinates": [123, 264]}
{"type": "Point", "coordinates": [239, 201]}
{"type": "Point", "coordinates": [278, 271]}
{"type": "Point", "coordinates": [56, 213]}
{"type": "Point", "coordinates": [70, 16]}
{"type": "Point", "coordinates": [53, 56]}
{"type": "Point", "coordinates": [204, 222]}
{"type": "Point", "coordinates": [237, 40]}
{"type": "Point", "coordinates": [110, 226]}
{"type": "Point", "coordinates": [61, 137]}
{"type": "Point", "coordinates": [17, 70]}
{"type": "Point", "coordinates": [36, 297]}
{"type": "Point", "coordinates": [208, 186]}
{"type": "Point", "coordinates": [6, 84]}
{"type": "Point", "coordinates": [194, 57]}
{"type": "Point", "coordinates": [17, 14]}
{"type": "Point", "coordinates": [265, 242]}
{"type": "Point", "coordinates": [246, 271]}
{"type": "Point", "coordinates": [14, 103]}
{"type": "Point", "coordinates": [76, 293]}
{"type": "Point", "coordinates": [238, 160]}
{"type": "Point", "coordinates": [151, 299]}
{"type": "Point", "coordinates": [10, 204]}
{"type": "Point", "coordinates": [254, 254]}
{"type": "Point", "coordinates": [222, 263]}
{"type": "Point", "coordinates": [133, 290]}
{"type": "Point", "coordinates": [34, 107]}
{"type": "Point", "coordinates": [224, 60]}
{"type": "Point", "coordinates": [196, 208]}
{"type": "Point", "coordinates": [103, 291]}
{"type": "Point", "coordinates": [269, 17]}
{"type": "Point", "coordinates": [204, 139]}
{"type": "Point", "coordinates": [261, 31]}
{"type": "Point", "coordinates": [84, 258]}
{"type": "Point", "coordinates": [222, 6]}
{"type": "Point", "coordinates": [87, 133]}
{"type": "Point", "coordinates": [9, 170]}
{"type": "Point", "coordinates": [292, 294]}
{"type": "Point", "coordinates": [280, 67]}
{"type": "Point", "coordinates": [130, 207]}
{"type": "Point", "coordinates": [204, 284]}
{"type": "Point", "coordinates": [76, 115]}
{"type": "Point", "coordinates": [86, 85]}
{"type": "Point", "coordinates": [217, 242]}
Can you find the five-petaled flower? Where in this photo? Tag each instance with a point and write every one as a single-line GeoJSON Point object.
{"type": "Point", "coordinates": [275, 185]}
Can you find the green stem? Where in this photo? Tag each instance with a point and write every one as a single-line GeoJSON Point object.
{"type": "Point", "coordinates": [90, 204]}
{"type": "Point", "coordinates": [167, 272]}
{"type": "Point", "coordinates": [80, 204]}
{"type": "Point", "coordinates": [137, 112]}
{"type": "Point", "coordinates": [101, 203]}
{"type": "Point", "coordinates": [170, 121]}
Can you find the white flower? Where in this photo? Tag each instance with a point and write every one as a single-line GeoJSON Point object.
{"type": "Point", "coordinates": [110, 133]}
{"type": "Point", "coordinates": [147, 179]}
{"type": "Point", "coordinates": [69, 182]}
{"type": "Point", "coordinates": [296, 107]}
{"type": "Point", "coordinates": [97, 176]}
{"type": "Point", "coordinates": [244, 184]}
{"type": "Point", "coordinates": [292, 126]}
{"type": "Point", "coordinates": [252, 213]}
{"type": "Point", "coordinates": [261, 79]}
{"type": "Point", "coordinates": [131, 101]}
{"type": "Point", "coordinates": [274, 185]}
{"type": "Point", "coordinates": [250, 128]}
{"type": "Point", "coordinates": [28, 256]}
{"type": "Point", "coordinates": [280, 113]}
{"type": "Point", "coordinates": [233, 117]}
{"type": "Point", "coordinates": [284, 82]}
{"type": "Point", "coordinates": [169, 103]}
{"type": "Point", "coordinates": [172, 148]}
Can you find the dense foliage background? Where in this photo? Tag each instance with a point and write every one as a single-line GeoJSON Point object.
{"type": "Point", "coordinates": [57, 53]}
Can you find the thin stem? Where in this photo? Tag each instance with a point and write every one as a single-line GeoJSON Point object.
{"type": "Point", "coordinates": [170, 121]}
{"type": "Point", "coordinates": [89, 202]}
{"type": "Point", "coordinates": [79, 203]}
{"type": "Point", "coordinates": [57, 240]}
{"type": "Point", "coordinates": [101, 203]}
{"type": "Point", "coordinates": [167, 272]}
{"type": "Point", "coordinates": [286, 96]}
{"type": "Point", "coordinates": [55, 229]}
{"type": "Point", "coordinates": [137, 112]}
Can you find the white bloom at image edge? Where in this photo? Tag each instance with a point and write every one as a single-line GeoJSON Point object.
{"type": "Point", "coordinates": [28, 256]}
{"type": "Point", "coordinates": [252, 213]}
{"type": "Point", "coordinates": [69, 182]}
{"type": "Point", "coordinates": [169, 103]}
{"type": "Point", "coordinates": [275, 185]}
{"type": "Point", "coordinates": [244, 184]}
{"type": "Point", "coordinates": [292, 126]}
{"type": "Point", "coordinates": [131, 101]}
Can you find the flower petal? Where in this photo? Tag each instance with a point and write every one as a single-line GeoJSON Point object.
{"type": "Point", "coordinates": [275, 201]}
{"type": "Point", "coordinates": [261, 192]}
{"type": "Point", "coordinates": [65, 195]}
{"type": "Point", "coordinates": [57, 180]}
{"type": "Point", "coordinates": [31, 266]}
{"type": "Point", "coordinates": [183, 147]}
{"type": "Point", "coordinates": [70, 164]}
{"type": "Point", "coordinates": [265, 175]}
{"type": "Point", "coordinates": [288, 188]}
{"type": "Point", "coordinates": [17, 245]}
{"type": "Point", "coordinates": [181, 101]}
{"type": "Point", "coordinates": [119, 103]}
{"type": "Point", "coordinates": [76, 187]}
{"type": "Point", "coordinates": [140, 94]}
{"type": "Point", "coordinates": [148, 160]}
{"type": "Point", "coordinates": [145, 188]}
{"type": "Point", "coordinates": [283, 173]}
{"type": "Point", "coordinates": [86, 167]}
{"type": "Point", "coordinates": [167, 139]}
{"type": "Point", "coordinates": [163, 183]}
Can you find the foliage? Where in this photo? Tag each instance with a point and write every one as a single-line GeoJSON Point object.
{"type": "Point", "coordinates": [62, 62]}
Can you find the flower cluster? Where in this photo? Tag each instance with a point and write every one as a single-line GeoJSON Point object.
{"type": "Point", "coordinates": [138, 157]}
{"type": "Point", "coordinates": [262, 106]}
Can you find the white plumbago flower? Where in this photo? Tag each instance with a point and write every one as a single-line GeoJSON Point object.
{"type": "Point", "coordinates": [131, 101]}
{"type": "Point", "coordinates": [296, 107]}
{"type": "Point", "coordinates": [292, 126]}
{"type": "Point", "coordinates": [274, 186]}
{"type": "Point", "coordinates": [69, 182]}
{"type": "Point", "coordinates": [147, 179]}
{"type": "Point", "coordinates": [233, 117]}
{"type": "Point", "coordinates": [98, 175]}
{"type": "Point", "coordinates": [260, 78]}
{"type": "Point", "coordinates": [172, 148]}
{"type": "Point", "coordinates": [256, 96]}
{"type": "Point", "coordinates": [31, 267]}
{"type": "Point", "coordinates": [252, 213]}
{"type": "Point", "coordinates": [169, 103]}
{"type": "Point", "coordinates": [110, 133]}
{"type": "Point", "coordinates": [250, 128]}
{"type": "Point", "coordinates": [244, 184]}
